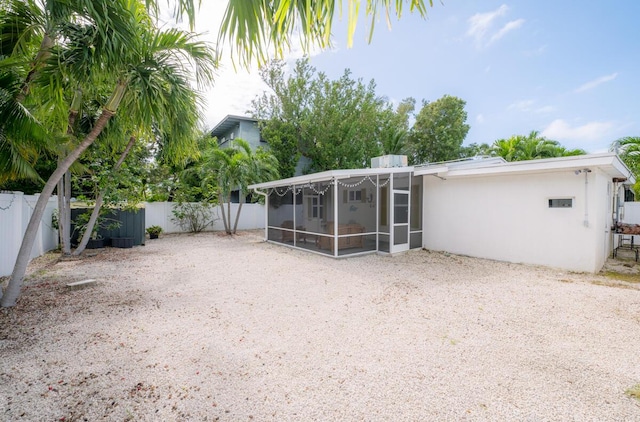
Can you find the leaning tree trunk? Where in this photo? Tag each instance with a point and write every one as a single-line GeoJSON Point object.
{"type": "Point", "coordinates": [224, 218]}
{"type": "Point", "coordinates": [64, 213]}
{"type": "Point", "coordinates": [67, 214]}
{"type": "Point", "coordinates": [61, 211]}
{"type": "Point", "coordinates": [12, 291]}
{"type": "Point", "coordinates": [64, 185]}
{"type": "Point", "coordinates": [41, 57]}
{"type": "Point", "coordinates": [99, 201]}
{"type": "Point", "coordinates": [229, 214]}
{"type": "Point", "coordinates": [235, 224]}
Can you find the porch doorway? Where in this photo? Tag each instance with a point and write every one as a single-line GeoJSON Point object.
{"type": "Point", "coordinates": [400, 218]}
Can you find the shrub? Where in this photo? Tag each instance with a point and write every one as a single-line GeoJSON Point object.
{"type": "Point", "coordinates": [193, 217]}
{"type": "Point", "coordinates": [154, 229]}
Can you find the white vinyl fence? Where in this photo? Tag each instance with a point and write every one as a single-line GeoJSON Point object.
{"type": "Point", "coordinates": [15, 211]}
{"type": "Point", "coordinates": [160, 214]}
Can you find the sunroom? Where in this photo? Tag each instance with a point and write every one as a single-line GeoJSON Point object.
{"type": "Point", "coordinates": [345, 212]}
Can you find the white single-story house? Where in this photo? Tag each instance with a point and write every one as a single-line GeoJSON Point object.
{"type": "Point", "coordinates": [555, 212]}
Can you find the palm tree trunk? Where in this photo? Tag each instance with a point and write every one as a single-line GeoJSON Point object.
{"type": "Point", "coordinates": [41, 57]}
{"type": "Point", "coordinates": [99, 201]}
{"type": "Point", "coordinates": [229, 214]}
{"type": "Point", "coordinates": [12, 291]}
{"type": "Point", "coordinates": [67, 214]}
{"type": "Point", "coordinates": [235, 224]}
{"type": "Point", "coordinates": [64, 185]}
{"type": "Point", "coordinates": [224, 217]}
{"type": "Point", "coordinates": [64, 217]}
{"type": "Point", "coordinates": [61, 209]}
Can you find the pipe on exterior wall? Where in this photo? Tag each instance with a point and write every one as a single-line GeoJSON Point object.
{"type": "Point", "coordinates": [266, 212]}
{"type": "Point", "coordinates": [586, 197]}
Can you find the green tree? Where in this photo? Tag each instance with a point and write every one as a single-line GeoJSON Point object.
{"type": "Point", "coordinates": [336, 123]}
{"type": "Point", "coordinates": [395, 131]}
{"type": "Point", "coordinates": [439, 130]}
{"type": "Point", "coordinates": [283, 144]}
{"type": "Point", "coordinates": [22, 137]}
{"type": "Point", "coordinates": [476, 150]}
{"type": "Point", "coordinates": [139, 68]}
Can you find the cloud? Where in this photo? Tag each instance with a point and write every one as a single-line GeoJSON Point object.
{"type": "Point", "coordinates": [528, 106]}
{"type": "Point", "coordinates": [594, 83]}
{"type": "Point", "coordinates": [510, 26]}
{"type": "Point", "coordinates": [593, 131]}
{"type": "Point", "coordinates": [480, 25]}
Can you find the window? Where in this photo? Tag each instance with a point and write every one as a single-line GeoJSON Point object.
{"type": "Point", "coordinates": [355, 195]}
{"type": "Point", "coordinates": [315, 207]}
{"type": "Point", "coordinates": [561, 203]}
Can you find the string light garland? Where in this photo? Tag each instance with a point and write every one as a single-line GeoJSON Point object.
{"type": "Point", "coordinates": [311, 186]}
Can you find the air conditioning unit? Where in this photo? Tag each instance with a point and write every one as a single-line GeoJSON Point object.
{"type": "Point", "coordinates": [388, 161]}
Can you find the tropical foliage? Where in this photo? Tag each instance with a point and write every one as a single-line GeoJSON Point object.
{"type": "Point", "coordinates": [530, 147]}
{"type": "Point", "coordinates": [225, 170]}
{"type": "Point", "coordinates": [65, 47]}
{"type": "Point", "coordinates": [332, 124]}
{"type": "Point", "coordinates": [629, 150]}
{"type": "Point", "coordinates": [254, 27]}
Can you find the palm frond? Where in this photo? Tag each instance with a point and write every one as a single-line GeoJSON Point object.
{"type": "Point", "coordinates": [255, 27]}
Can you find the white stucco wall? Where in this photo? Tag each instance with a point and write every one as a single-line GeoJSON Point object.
{"type": "Point", "coordinates": [507, 218]}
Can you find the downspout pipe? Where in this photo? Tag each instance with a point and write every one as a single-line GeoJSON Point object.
{"type": "Point", "coordinates": [586, 197]}
{"type": "Point", "coordinates": [266, 212]}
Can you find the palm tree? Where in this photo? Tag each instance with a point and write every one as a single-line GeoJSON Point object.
{"type": "Point", "coordinates": [506, 148]}
{"type": "Point", "coordinates": [628, 148]}
{"type": "Point", "coordinates": [22, 137]}
{"type": "Point", "coordinates": [234, 168]}
{"type": "Point", "coordinates": [254, 26]}
{"type": "Point", "coordinates": [396, 142]}
{"type": "Point", "coordinates": [150, 75]}
{"type": "Point", "coordinates": [531, 147]}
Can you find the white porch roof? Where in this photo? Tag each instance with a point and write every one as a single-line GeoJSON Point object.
{"type": "Point", "coordinates": [330, 175]}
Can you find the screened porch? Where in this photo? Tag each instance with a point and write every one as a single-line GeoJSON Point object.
{"type": "Point", "coordinates": [345, 212]}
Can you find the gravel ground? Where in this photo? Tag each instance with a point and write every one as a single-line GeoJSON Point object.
{"type": "Point", "coordinates": [206, 327]}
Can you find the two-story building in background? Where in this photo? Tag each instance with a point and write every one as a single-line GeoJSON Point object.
{"type": "Point", "coordinates": [232, 127]}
